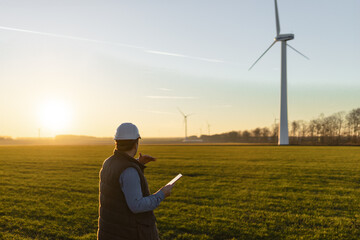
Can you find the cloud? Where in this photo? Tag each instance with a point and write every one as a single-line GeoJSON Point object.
{"type": "Point", "coordinates": [170, 97]}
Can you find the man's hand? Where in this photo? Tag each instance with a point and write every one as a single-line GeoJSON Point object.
{"type": "Point", "coordinates": [167, 190]}
{"type": "Point", "coordinates": [144, 159]}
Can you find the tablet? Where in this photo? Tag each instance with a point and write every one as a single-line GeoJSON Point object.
{"type": "Point", "coordinates": [175, 179]}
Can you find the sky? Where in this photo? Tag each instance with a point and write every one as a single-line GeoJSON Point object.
{"type": "Point", "coordinates": [83, 67]}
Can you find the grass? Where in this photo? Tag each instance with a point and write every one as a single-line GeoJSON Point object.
{"type": "Point", "coordinates": [227, 192]}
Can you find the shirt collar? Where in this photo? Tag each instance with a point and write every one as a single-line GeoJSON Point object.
{"type": "Point", "coordinates": [129, 158]}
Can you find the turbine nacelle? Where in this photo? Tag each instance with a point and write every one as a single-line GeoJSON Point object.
{"type": "Point", "coordinates": [285, 37]}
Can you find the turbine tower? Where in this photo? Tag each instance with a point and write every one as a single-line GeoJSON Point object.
{"type": "Point", "coordinates": [283, 38]}
{"type": "Point", "coordinates": [185, 121]}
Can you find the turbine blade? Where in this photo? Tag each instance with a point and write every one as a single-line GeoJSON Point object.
{"type": "Point", "coordinates": [298, 52]}
{"type": "Point", "coordinates": [262, 55]}
{"type": "Point", "coordinates": [181, 112]}
{"type": "Point", "coordinates": [277, 19]}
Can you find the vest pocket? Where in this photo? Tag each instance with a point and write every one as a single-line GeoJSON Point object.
{"type": "Point", "coordinates": [116, 231]}
{"type": "Point", "coordinates": [147, 231]}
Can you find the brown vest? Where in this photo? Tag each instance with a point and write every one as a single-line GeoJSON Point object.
{"type": "Point", "coordinates": [116, 221]}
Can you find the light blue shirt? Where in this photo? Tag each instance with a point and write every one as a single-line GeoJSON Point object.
{"type": "Point", "coordinates": [130, 185]}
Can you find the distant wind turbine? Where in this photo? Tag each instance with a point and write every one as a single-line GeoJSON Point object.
{"type": "Point", "coordinates": [185, 121]}
{"type": "Point", "coordinates": [208, 127]}
{"type": "Point", "coordinates": [283, 38]}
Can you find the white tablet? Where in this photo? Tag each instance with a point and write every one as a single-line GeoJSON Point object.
{"type": "Point", "coordinates": [175, 179]}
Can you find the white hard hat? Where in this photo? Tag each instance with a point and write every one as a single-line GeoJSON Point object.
{"type": "Point", "coordinates": [127, 131]}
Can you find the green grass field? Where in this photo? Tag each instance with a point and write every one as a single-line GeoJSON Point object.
{"type": "Point", "coordinates": [227, 192]}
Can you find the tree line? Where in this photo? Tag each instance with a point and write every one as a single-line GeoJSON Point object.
{"type": "Point", "coordinates": [340, 128]}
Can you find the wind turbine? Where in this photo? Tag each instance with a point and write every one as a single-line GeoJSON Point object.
{"type": "Point", "coordinates": [208, 127]}
{"type": "Point", "coordinates": [185, 121]}
{"type": "Point", "coordinates": [283, 38]}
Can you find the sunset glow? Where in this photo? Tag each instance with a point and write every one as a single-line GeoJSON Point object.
{"type": "Point", "coordinates": [139, 63]}
{"type": "Point", "coordinates": [54, 115]}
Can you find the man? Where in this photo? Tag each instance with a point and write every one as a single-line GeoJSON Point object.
{"type": "Point", "coordinates": [125, 203]}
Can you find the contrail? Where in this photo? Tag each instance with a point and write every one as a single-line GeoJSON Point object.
{"type": "Point", "coordinates": [184, 56]}
{"type": "Point", "coordinates": [111, 43]}
{"type": "Point", "coordinates": [69, 37]}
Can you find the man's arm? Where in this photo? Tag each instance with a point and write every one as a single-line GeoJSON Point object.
{"type": "Point", "coordinates": [130, 185]}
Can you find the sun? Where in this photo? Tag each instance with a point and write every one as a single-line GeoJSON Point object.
{"type": "Point", "coordinates": [54, 115]}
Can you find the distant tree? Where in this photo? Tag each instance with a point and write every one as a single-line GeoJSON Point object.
{"type": "Point", "coordinates": [357, 122]}
{"type": "Point", "coordinates": [329, 125]}
{"type": "Point", "coordinates": [216, 138]}
{"type": "Point", "coordinates": [246, 135]}
{"type": "Point", "coordinates": [265, 132]}
{"type": "Point", "coordinates": [320, 128]}
{"type": "Point", "coordinates": [312, 128]}
{"type": "Point", "coordinates": [303, 128]}
{"type": "Point", "coordinates": [256, 133]}
{"type": "Point", "coordinates": [353, 120]}
{"type": "Point", "coordinates": [232, 136]}
{"type": "Point", "coordinates": [294, 128]}
{"type": "Point", "coordinates": [275, 132]}
{"type": "Point", "coordinates": [339, 122]}
{"type": "Point", "coordinates": [338, 128]}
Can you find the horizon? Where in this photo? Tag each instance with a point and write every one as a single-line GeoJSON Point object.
{"type": "Point", "coordinates": [341, 122]}
{"type": "Point", "coordinates": [138, 63]}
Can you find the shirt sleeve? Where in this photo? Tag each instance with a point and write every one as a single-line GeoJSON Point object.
{"type": "Point", "coordinates": [130, 185]}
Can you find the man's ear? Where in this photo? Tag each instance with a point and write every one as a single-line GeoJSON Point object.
{"type": "Point", "coordinates": [136, 145]}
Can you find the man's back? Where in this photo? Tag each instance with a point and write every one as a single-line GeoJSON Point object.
{"type": "Point", "coordinates": [119, 190]}
{"type": "Point", "coordinates": [116, 221]}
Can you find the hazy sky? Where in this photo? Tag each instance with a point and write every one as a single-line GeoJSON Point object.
{"type": "Point", "coordinates": [83, 67]}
